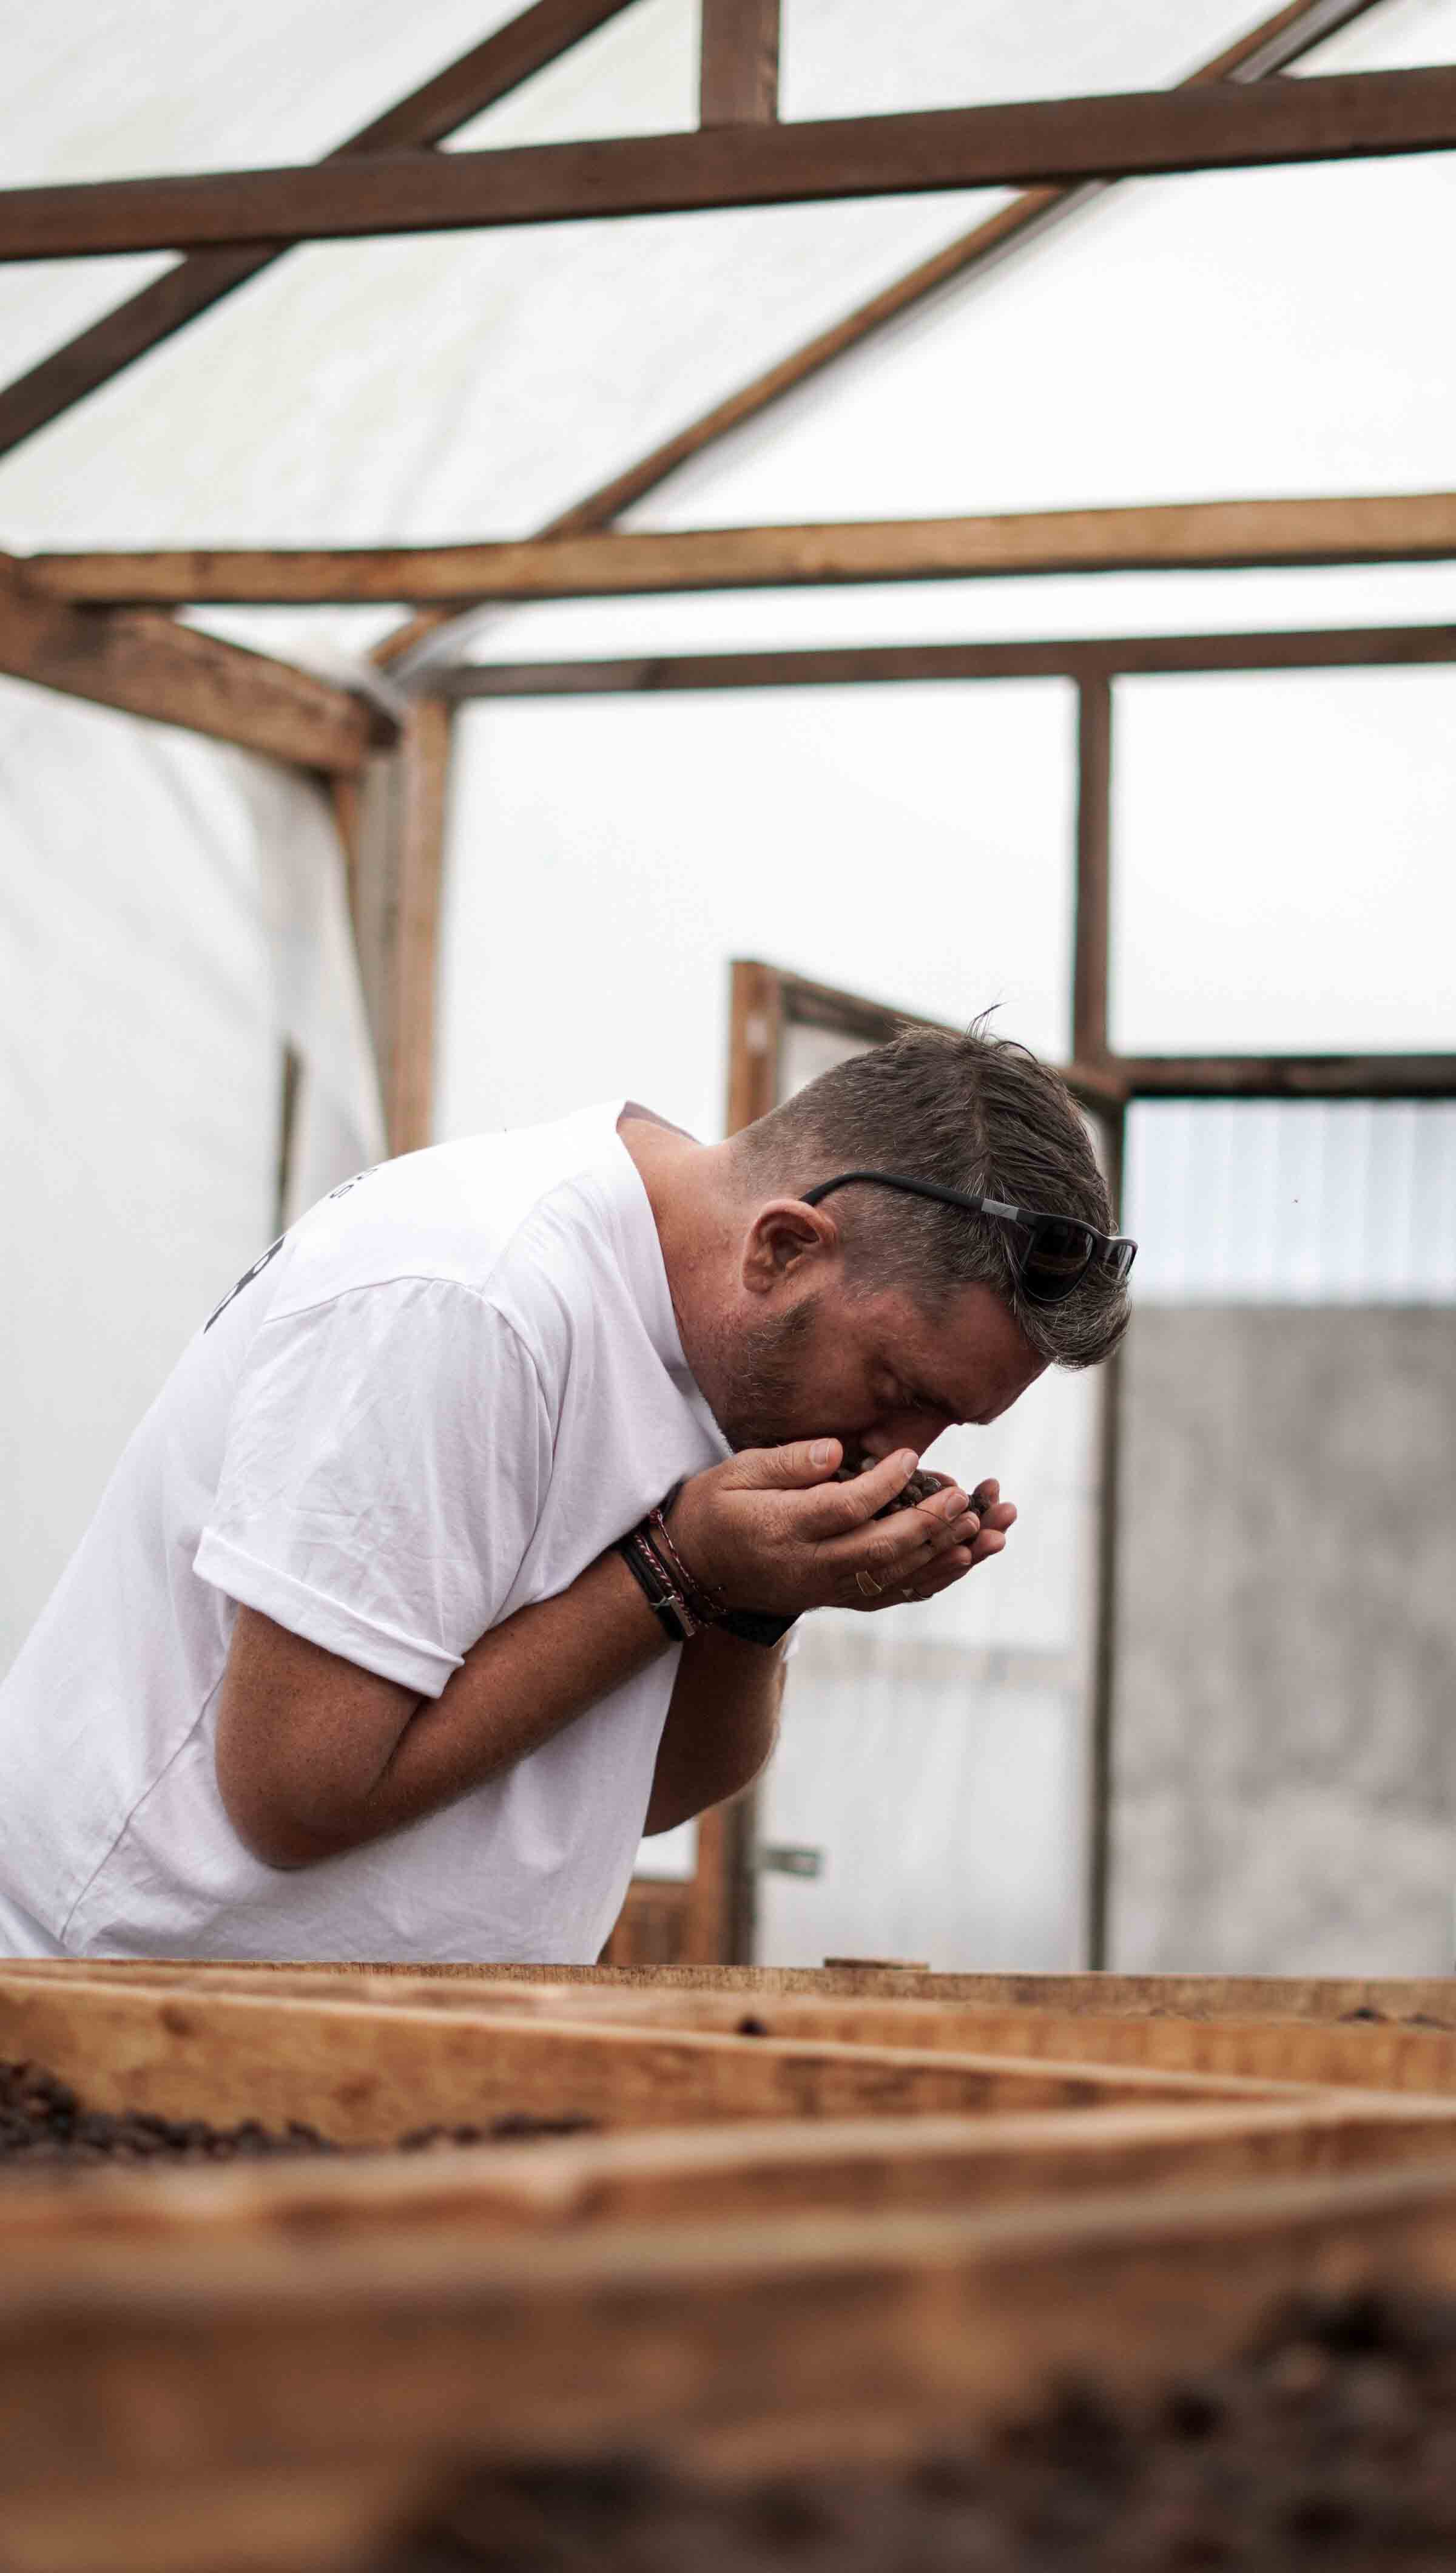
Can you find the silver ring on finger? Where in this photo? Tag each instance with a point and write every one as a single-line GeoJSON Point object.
{"type": "Point", "coordinates": [868, 1586]}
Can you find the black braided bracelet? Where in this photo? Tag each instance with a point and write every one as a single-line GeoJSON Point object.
{"type": "Point", "coordinates": [707, 1605]}
{"type": "Point", "coordinates": [657, 1587]}
{"type": "Point", "coordinates": [681, 1604]}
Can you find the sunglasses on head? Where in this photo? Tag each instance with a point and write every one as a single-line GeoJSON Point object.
{"type": "Point", "coordinates": [1051, 1253]}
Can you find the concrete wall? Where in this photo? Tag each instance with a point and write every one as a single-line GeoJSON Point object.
{"type": "Point", "coordinates": [1285, 1758]}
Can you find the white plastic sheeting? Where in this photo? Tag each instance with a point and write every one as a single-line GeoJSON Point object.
{"type": "Point", "coordinates": [171, 914]}
{"type": "Point", "coordinates": [611, 856]}
{"type": "Point", "coordinates": [1283, 875]}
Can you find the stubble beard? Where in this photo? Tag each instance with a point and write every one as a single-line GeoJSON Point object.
{"type": "Point", "coordinates": [761, 1378]}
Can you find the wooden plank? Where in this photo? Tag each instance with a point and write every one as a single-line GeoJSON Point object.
{"type": "Point", "coordinates": [1267, 48]}
{"type": "Point", "coordinates": [1391, 2000]}
{"type": "Point", "coordinates": [738, 81]}
{"type": "Point", "coordinates": [1077, 657]}
{"type": "Point", "coordinates": [1220, 125]}
{"type": "Point", "coordinates": [240, 2521]}
{"type": "Point", "coordinates": [726, 2174]}
{"type": "Point", "coordinates": [1204, 535]}
{"type": "Point", "coordinates": [523, 46]}
{"type": "Point", "coordinates": [808, 2339]}
{"type": "Point", "coordinates": [147, 664]}
{"type": "Point", "coordinates": [1345, 1076]}
{"type": "Point", "coordinates": [366, 2073]}
{"type": "Point", "coordinates": [1389, 2054]}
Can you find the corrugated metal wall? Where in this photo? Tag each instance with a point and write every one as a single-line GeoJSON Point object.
{"type": "Point", "coordinates": [1348, 1202]}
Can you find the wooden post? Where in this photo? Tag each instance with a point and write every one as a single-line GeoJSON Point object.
{"type": "Point", "coordinates": [424, 774]}
{"type": "Point", "coordinates": [1104, 1608]}
{"type": "Point", "coordinates": [718, 1927]}
{"type": "Point", "coordinates": [394, 836]}
{"type": "Point", "coordinates": [1091, 933]}
{"type": "Point", "coordinates": [1092, 949]}
{"type": "Point", "coordinates": [739, 77]}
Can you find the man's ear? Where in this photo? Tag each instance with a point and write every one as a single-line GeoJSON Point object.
{"type": "Point", "coordinates": [783, 1234]}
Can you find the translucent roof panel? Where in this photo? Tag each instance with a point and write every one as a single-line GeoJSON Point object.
{"type": "Point", "coordinates": [673, 834]}
{"type": "Point", "coordinates": [118, 89]}
{"type": "Point", "coordinates": [122, 89]}
{"type": "Point", "coordinates": [1256, 331]}
{"type": "Point", "coordinates": [842, 58]}
{"type": "Point", "coordinates": [1247, 332]}
{"type": "Point", "coordinates": [1283, 878]}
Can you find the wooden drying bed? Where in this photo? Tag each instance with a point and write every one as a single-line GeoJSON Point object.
{"type": "Point", "coordinates": [815, 2222]}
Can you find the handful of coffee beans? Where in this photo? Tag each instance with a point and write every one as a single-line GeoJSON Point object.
{"type": "Point", "coordinates": [922, 1487]}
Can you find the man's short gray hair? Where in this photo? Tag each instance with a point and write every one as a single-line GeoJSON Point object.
{"type": "Point", "coordinates": [976, 1113]}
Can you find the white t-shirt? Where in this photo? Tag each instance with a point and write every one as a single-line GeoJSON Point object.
{"type": "Point", "coordinates": [440, 1397]}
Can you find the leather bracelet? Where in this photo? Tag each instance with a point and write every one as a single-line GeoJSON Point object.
{"type": "Point", "coordinates": [681, 1604]}
{"type": "Point", "coordinates": [708, 1605]}
{"type": "Point", "coordinates": [750, 1625]}
{"type": "Point", "coordinates": [666, 1602]}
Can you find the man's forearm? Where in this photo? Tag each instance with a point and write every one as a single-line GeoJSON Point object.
{"type": "Point", "coordinates": [720, 1729]}
{"type": "Point", "coordinates": [524, 1681]}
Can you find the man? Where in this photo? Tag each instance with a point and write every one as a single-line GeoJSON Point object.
{"type": "Point", "coordinates": [374, 1647]}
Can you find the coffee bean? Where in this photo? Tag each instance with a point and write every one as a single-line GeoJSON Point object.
{"type": "Point", "coordinates": [1285, 2461]}
{"type": "Point", "coordinates": [43, 2126]}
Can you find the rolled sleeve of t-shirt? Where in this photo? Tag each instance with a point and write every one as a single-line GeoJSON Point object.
{"type": "Point", "coordinates": [386, 1460]}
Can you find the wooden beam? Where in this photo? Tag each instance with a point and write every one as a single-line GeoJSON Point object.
{"type": "Point", "coordinates": [1074, 657]}
{"type": "Point", "coordinates": [1265, 48]}
{"type": "Point", "coordinates": [1203, 536]}
{"type": "Point", "coordinates": [1387, 2000]}
{"type": "Point", "coordinates": [426, 117]}
{"type": "Point", "coordinates": [1340, 1076]}
{"type": "Point", "coordinates": [1222, 125]}
{"type": "Point", "coordinates": [148, 665]}
{"type": "Point", "coordinates": [739, 67]}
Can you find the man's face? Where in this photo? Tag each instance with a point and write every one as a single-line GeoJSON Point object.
{"type": "Point", "coordinates": [875, 1370]}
